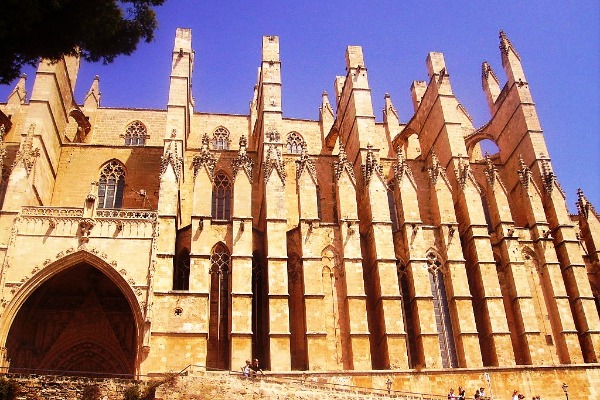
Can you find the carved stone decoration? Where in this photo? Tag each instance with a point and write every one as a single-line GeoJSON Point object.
{"type": "Point", "coordinates": [27, 154]}
{"type": "Point", "coordinates": [2, 151]}
{"type": "Point", "coordinates": [343, 164]}
{"type": "Point", "coordinates": [85, 227]}
{"type": "Point", "coordinates": [371, 165]}
{"type": "Point", "coordinates": [171, 157]}
{"type": "Point", "coordinates": [401, 167]}
{"type": "Point", "coordinates": [272, 135]}
{"type": "Point", "coordinates": [433, 263]}
{"type": "Point", "coordinates": [524, 173]}
{"type": "Point", "coordinates": [491, 172]}
{"type": "Point", "coordinates": [583, 205]}
{"type": "Point", "coordinates": [242, 161]}
{"type": "Point", "coordinates": [274, 160]}
{"type": "Point", "coordinates": [91, 197]}
{"type": "Point", "coordinates": [463, 171]}
{"type": "Point", "coordinates": [436, 170]}
{"type": "Point", "coordinates": [306, 162]}
{"type": "Point", "coordinates": [205, 159]}
{"type": "Point", "coordinates": [506, 45]}
{"type": "Point", "coordinates": [548, 177]}
{"type": "Point", "coordinates": [487, 71]}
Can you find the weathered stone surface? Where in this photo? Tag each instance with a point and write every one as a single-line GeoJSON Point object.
{"type": "Point", "coordinates": [136, 241]}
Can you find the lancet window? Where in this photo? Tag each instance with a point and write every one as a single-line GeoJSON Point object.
{"type": "Point", "coordinates": [441, 308]}
{"type": "Point", "coordinates": [181, 271]}
{"type": "Point", "coordinates": [319, 207]}
{"type": "Point", "coordinates": [218, 341]}
{"type": "Point", "coordinates": [136, 134]}
{"type": "Point", "coordinates": [392, 207]}
{"type": "Point", "coordinates": [294, 143]}
{"type": "Point", "coordinates": [409, 320]}
{"type": "Point", "coordinates": [221, 198]}
{"type": "Point", "coordinates": [111, 185]}
{"type": "Point", "coordinates": [220, 139]}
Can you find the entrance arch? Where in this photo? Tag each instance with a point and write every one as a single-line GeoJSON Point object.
{"type": "Point", "coordinates": [78, 316]}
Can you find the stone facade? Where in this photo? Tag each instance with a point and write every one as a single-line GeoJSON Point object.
{"type": "Point", "coordinates": [138, 241]}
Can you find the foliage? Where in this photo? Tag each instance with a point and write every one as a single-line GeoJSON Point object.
{"type": "Point", "coordinates": [99, 30]}
{"type": "Point", "coordinates": [91, 392]}
{"type": "Point", "coordinates": [9, 389]}
{"type": "Point", "coordinates": [132, 393]}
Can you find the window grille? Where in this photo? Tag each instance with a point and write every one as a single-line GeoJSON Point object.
{"type": "Point", "coordinates": [294, 143]}
{"type": "Point", "coordinates": [136, 134]}
{"type": "Point", "coordinates": [111, 185]}
{"type": "Point", "coordinates": [221, 198]}
{"type": "Point", "coordinates": [441, 308]}
{"type": "Point", "coordinates": [220, 139]}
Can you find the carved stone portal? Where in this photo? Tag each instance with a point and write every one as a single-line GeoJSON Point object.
{"type": "Point", "coordinates": [77, 322]}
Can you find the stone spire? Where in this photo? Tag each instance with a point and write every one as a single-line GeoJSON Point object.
{"type": "Point", "coordinates": [92, 98]}
{"type": "Point", "coordinates": [19, 93]}
{"type": "Point", "coordinates": [511, 61]}
{"type": "Point", "coordinates": [326, 115]}
{"type": "Point", "coordinates": [490, 84]}
{"type": "Point", "coordinates": [583, 205]}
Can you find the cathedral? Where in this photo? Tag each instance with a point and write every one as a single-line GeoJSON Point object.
{"type": "Point", "coordinates": [139, 241]}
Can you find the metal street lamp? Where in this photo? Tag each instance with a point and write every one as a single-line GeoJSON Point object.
{"type": "Point", "coordinates": [389, 385]}
{"type": "Point", "coordinates": [565, 389]}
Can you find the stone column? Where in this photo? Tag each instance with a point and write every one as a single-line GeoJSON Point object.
{"type": "Point", "coordinates": [570, 256]}
{"type": "Point", "coordinates": [529, 344]}
{"type": "Point", "coordinates": [241, 259]}
{"type": "Point", "coordinates": [352, 264]}
{"type": "Point", "coordinates": [459, 296]}
{"type": "Point", "coordinates": [414, 241]}
{"type": "Point", "coordinates": [555, 293]}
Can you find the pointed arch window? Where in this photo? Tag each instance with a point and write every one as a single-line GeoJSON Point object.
{"type": "Point", "coordinates": [441, 308]}
{"type": "Point", "coordinates": [218, 340]}
{"type": "Point", "coordinates": [136, 134]}
{"type": "Point", "coordinates": [111, 185]}
{"type": "Point", "coordinates": [407, 308]}
{"type": "Point", "coordinates": [319, 208]}
{"type": "Point", "coordinates": [181, 271]}
{"type": "Point", "coordinates": [221, 198]}
{"type": "Point", "coordinates": [294, 143]}
{"type": "Point", "coordinates": [220, 139]}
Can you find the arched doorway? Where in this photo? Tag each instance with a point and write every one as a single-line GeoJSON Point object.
{"type": "Point", "coordinates": [77, 322]}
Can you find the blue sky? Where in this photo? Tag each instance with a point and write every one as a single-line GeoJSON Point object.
{"type": "Point", "coordinates": [559, 44]}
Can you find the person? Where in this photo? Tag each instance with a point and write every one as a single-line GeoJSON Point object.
{"type": "Point", "coordinates": [255, 367]}
{"type": "Point", "coordinates": [461, 393]}
{"type": "Point", "coordinates": [451, 395]}
{"type": "Point", "coordinates": [515, 395]}
{"type": "Point", "coordinates": [246, 369]}
{"type": "Point", "coordinates": [479, 393]}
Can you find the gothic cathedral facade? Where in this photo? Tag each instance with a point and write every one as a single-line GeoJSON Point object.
{"type": "Point", "coordinates": [135, 241]}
